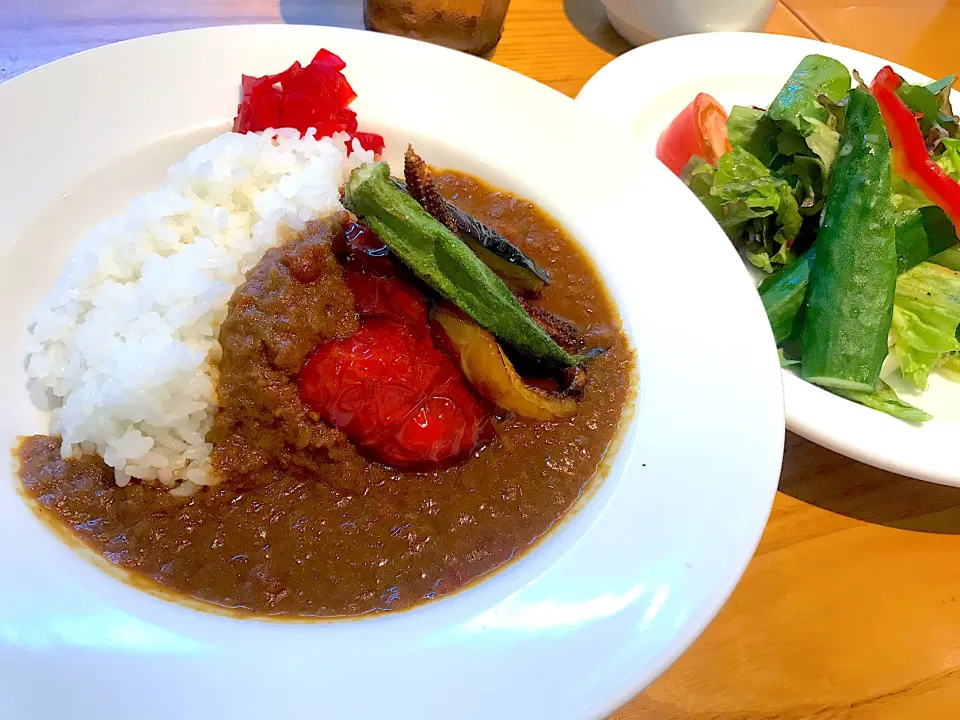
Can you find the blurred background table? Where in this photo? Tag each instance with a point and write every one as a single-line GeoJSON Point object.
{"type": "Point", "coordinates": [849, 609]}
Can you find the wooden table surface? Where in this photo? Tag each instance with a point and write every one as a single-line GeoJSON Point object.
{"type": "Point", "coordinates": [849, 609]}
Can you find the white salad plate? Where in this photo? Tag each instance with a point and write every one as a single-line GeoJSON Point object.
{"type": "Point", "coordinates": [643, 90]}
{"type": "Point", "coordinates": [574, 628]}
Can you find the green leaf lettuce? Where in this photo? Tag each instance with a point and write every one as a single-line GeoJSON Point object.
{"type": "Point", "coordinates": [926, 314]}
{"type": "Point", "coordinates": [885, 400]}
{"type": "Point", "coordinates": [749, 202]}
{"type": "Point", "coordinates": [806, 121]}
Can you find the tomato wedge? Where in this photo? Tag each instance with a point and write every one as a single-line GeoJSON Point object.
{"type": "Point", "coordinates": [700, 129]}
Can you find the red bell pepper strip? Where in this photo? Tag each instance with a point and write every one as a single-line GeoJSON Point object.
{"type": "Point", "coordinates": [910, 158]}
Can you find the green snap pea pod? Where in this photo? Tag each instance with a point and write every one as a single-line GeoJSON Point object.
{"type": "Point", "coordinates": [853, 278]}
{"type": "Point", "coordinates": [443, 261]}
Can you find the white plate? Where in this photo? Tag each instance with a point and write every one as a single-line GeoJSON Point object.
{"type": "Point", "coordinates": [643, 90]}
{"type": "Point", "coordinates": [571, 630]}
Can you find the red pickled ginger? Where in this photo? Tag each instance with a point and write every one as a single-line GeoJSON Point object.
{"type": "Point", "coordinates": [316, 96]}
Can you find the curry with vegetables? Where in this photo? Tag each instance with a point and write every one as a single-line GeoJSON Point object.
{"type": "Point", "coordinates": [378, 445]}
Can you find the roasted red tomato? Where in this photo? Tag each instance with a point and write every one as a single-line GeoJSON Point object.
{"type": "Point", "coordinates": [364, 250]}
{"type": "Point", "coordinates": [388, 297]}
{"type": "Point", "coordinates": [378, 284]}
{"type": "Point", "coordinates": [396, 396]}
{"type": "Point", "coordinates": [388, 387]}
{"type": "Point", "coordinates": [700, 129]}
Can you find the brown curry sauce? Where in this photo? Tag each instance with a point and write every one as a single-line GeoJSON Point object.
{"type": "Point", "coordinates": [302, 524]}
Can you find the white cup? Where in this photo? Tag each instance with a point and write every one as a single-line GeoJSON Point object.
{"type": "Point", "coordinates": [640, 21]}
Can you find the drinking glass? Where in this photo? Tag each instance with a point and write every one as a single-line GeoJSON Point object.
{"type": "Point", "coordinates": [472, 26]}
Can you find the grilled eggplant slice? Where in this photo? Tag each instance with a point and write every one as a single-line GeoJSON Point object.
{"type": "Point", "coordinates": [521, 274]}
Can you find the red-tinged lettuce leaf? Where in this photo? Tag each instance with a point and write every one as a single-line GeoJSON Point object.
{"type": "Point", "coordinates": [931, 104]}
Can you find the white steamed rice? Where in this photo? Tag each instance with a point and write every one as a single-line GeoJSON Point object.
{"type": "Point", "coordinates": [123, 351]}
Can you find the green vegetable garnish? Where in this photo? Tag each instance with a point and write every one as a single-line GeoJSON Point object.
{"type": "Point", "coordinates": [749, 202]}
{"type": "Point", "coordinates": [797, 108]}
{"type": "Point", "coordinates": [783, 294]}
{"type": "Point", "coordinates": [786, 362]}
{"type": "Point", "coordinates": [443, 261]}
{"type": "Point", "coordinates": [748, 128]}
{"type": "Point", "coordinates": [885, 400]}
{"type": "Point", "coordinates": [950, 364]}
{"type": "Point", "coordinates": [799, 99]}
{"type": "Point", "coordinates": [850, 299]}
{"type": "Point", "coordinates": [949, 157]}
{"type": "Point", "coordinates": [949, 258]}
{"type": "Point", "coordinates": [926, 315]}
{"type": "Point", "coordinates": [932, 104]}
{"type": "Point", "coordinates": [906, 196]}
{"type": "Point", "coordinates": [780, 164]}
{"type": "Point", "coordinates": [808, 177]}
{"type": "Point", "coordinates": [923, 233]}
{"type": "Point", "coordinates": [920, 234]}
